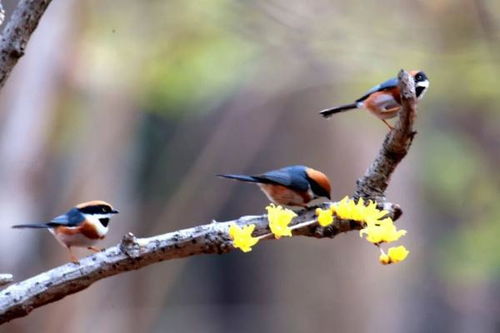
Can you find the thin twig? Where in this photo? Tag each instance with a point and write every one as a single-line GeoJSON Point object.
{"type": "Point", "coordinates": [6, 278]}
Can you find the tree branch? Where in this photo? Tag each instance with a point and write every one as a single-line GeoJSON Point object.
{"type": "Point", "coordinates": [17, 33]}
{"type": "Point", "coordinates": [395, 147]}
{"type": "Point", "coordinates": [132, 253]}
{"type": "Point", "coordinates": [6, 278]}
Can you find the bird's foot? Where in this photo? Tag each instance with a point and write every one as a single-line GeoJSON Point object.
{"type": "Point", "coordinates": [95, 249]}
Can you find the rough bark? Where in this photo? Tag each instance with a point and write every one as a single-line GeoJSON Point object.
{"type": "Point", "coordinates": [17, 33]}
{"type": "Point", "coordinates": [395, 147]}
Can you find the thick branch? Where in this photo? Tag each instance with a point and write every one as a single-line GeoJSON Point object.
{"type": "Point", "coordinates": [21, 298]}
{"type": "Point", "coordinates": [17, 33]}
{"type": "Point", "coordinates": [395, 147]}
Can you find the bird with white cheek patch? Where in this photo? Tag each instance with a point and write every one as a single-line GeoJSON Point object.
{"type": "Point", "coordinates": [81, 226]}
{"type": "Point", "coordinates": [383, 100]}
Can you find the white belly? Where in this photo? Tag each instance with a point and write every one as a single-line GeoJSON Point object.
{"type": "Point", "coordinates": [77, 240]}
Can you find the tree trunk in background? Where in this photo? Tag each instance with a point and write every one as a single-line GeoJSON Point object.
{"type": "Point", "coordinates": [29, 100]}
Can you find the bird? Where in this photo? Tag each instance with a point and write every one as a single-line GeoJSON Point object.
{"type": "Point", "coordinates": [383, 100]}
{"type": "Point", "coordinates": [81, 226]}
{"type": "Point", "coordinates": [294, 185]}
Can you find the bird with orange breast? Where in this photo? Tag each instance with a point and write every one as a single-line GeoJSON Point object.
{"type": "Point", "coordinates": [294, 185]}
{"type": "Point", "coordinates": [81, 226]}
{"type": "Point", "coordinates": [383, 100]}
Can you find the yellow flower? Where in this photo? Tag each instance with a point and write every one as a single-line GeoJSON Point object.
{"type": "Point", "coordinates": [372, 212]}
{"type": "Point", "coordinates": [381, 231]}
{"type": "Point", "coordinates": [376, 230]}
{"type": "Point", "coordinates": [349, 210]}
{"type": "Point", "coordinates": [394, 255]}
{"type": "Point", "coordinates": [242, 237]}
{"type": "Point", "coordinates": [346, 209]}
{"type": "Point", "coordinates": [398, 254]}
{"type": "Point", "coordinates": [279, 218]}
{"type": "Point", "coordinates": [325, 216]}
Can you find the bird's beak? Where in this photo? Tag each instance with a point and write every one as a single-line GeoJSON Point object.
{"type": "Point", "coordinates": [114, 211]}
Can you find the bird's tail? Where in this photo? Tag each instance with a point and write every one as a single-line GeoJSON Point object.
{"type": "Point", "coordinates": [243, 178]}
{"type": "Point", "coordinates": [34, 226]}
{"type": "Point", "coordinates": [329, 112]}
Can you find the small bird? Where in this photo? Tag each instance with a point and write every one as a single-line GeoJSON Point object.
{"type": "Point", "coordinates": [290, 186]}
{"type": "Point", "coordinates": [383, 100]}
{"type": "Point", "coordinates": [81, 226]}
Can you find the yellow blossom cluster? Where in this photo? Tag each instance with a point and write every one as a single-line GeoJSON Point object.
{"type": "Point", "coordinates": [279, 219]}
{"type": "Point", "coordinates": [381, 231]}
{"type": "Point", "coordinates": [378, 228]}
{"type": "Point", "coordinates": [350, 210]}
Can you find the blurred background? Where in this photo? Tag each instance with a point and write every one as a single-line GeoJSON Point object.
{"type": "Point", "coordinates": [141, 103]}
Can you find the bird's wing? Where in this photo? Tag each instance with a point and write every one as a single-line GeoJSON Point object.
{"type": "Point", "coordinates": [391, 83]}
{"type": "Point", "coordinates": [295, 180]}
{"type": "Point", "coordinates": [72, 218]}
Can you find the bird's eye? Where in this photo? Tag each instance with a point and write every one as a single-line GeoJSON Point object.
{"type": "Point", "coordinates": [103, 209]}
{"type": "Point", "coordinates": [418, 77]}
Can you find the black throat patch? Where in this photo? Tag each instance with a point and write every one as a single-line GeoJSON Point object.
{"type": "Point", "coordinates": [419, 91]}
{"type": "Point", "coordinates": [104, 221]}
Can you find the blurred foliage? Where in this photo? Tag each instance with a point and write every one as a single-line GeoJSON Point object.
{"type": "Point", "coordinates": [471, 256]}
{"type": "Point", "coordinates": [460, 182]}
{"type": "Point", "coordinates": [453, 170]}
{"type": "Point", "coordinates": [183, 55]}
{"type": "Point", "coordinates": [188, 74]}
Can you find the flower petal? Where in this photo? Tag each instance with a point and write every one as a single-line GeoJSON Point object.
{"type": "Point", "coordinates": [279, 218]}
{"type": "Point", "coordinates": [242, 237]}
{"type": "Point", "coordinates": [325, 216]}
